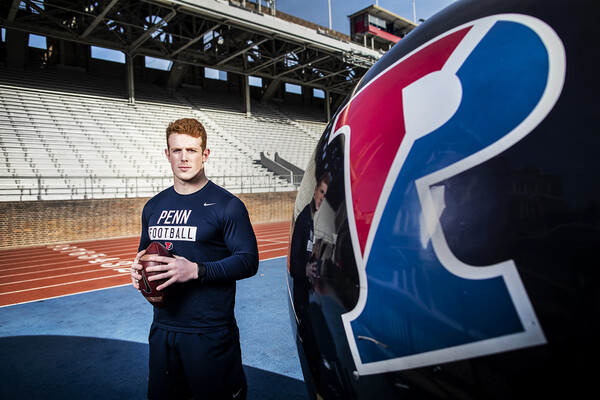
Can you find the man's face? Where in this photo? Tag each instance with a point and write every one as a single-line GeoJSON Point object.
{"type": "Point", "coordinates": [186, 157]}
{"type": "Point", "coordinates": [319, 195]}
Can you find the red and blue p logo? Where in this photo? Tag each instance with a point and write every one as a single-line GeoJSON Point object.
{"type": "Point", "coordinates": [455, 102]}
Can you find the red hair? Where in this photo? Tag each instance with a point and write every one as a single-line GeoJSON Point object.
{"type": "Point", "coordinates": [187, 126]}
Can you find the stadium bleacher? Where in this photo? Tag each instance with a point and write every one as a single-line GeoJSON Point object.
{"type": "Point", "coordinates": [68, 134]}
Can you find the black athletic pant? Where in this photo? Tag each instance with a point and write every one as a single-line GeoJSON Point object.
{"type": "Point", "coordinates": [196, 365]}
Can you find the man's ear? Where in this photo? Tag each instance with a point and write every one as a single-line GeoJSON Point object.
{"type": "Point", "coordinates": [206, 153]}
{"type": "Point", "coordinates": [167, 152]}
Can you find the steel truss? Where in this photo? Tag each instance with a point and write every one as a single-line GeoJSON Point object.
{"type": "Point", "coordinates": [206, 33]}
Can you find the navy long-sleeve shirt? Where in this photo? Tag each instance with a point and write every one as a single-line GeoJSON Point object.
{"type": "Point", "coordinates": [212, 227]}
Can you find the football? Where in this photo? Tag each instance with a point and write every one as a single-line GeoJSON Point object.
{"type": "Point", "coordinates": [147, 287]}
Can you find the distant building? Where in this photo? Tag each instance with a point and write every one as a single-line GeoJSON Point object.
{"type": "Point", "coordinates": [378, 28]}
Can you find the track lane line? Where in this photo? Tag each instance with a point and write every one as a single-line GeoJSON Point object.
{"type": "Point", "coordinates": [270, 238]}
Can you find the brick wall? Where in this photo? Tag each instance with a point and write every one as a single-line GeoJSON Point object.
{"type": "Point", "coordinates": [49, 222]}
{"type": "Point", "coordinates": [269, 207]}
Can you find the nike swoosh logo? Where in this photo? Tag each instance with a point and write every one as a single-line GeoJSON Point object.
{"type": "Point", "coordinates": [147, 289]}
{"type": "Point", "coordinates": [238, 392]}
{"type": "Point", "coordinates": [209, 204]}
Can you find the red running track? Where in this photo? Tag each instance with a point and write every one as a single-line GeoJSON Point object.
{"type": "Point", "coordinates": [37, 273]}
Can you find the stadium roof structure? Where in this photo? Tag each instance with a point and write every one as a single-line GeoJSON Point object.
{"type": "Point", "coordinates": [380, 27]}
{"type": "Point", "coordinates": [226, 35]}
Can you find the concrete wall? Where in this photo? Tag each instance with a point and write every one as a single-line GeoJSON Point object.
{"type": "Point", "coordinates": [49, 222]}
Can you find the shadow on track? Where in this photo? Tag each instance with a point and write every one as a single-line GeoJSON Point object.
{"type": "Point", "coordinates": [69, 367]}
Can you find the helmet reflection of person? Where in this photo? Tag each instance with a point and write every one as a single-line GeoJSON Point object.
{"type": "Point", "coordinates": [320, 191]}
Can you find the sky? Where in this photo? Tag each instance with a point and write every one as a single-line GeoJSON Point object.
{"type": "Point", "coordinates": [316, 11]}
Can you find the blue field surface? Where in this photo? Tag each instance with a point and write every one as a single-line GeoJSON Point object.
{"type": "Point", "coordinates": [94, 345]}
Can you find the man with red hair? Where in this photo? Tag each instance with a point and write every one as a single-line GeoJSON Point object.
{"type": "Point", "coordinates": [194, 339]}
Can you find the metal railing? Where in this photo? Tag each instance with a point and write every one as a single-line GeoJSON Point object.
{"type": "Point", "coordinates": [101, 187]}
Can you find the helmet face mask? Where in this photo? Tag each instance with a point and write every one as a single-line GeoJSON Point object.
{"type": "Point", "coordinates": [461, 213]}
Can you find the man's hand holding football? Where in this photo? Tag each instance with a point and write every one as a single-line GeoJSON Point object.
{"type": "Point", "coordinates": [136, 269]}
{"type": "Point", "coordinates": [174, 269]}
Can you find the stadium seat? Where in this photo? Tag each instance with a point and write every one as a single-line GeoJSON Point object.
{"type": "Point", "coordinates": [74, 135]}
